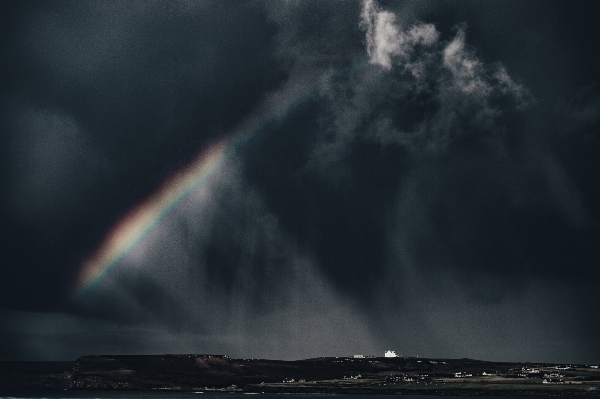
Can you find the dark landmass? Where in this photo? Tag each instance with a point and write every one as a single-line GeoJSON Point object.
{"type": "Point", "coordinates": [365, 375]}
{"type": "Point", "coordinates": [39, 375]}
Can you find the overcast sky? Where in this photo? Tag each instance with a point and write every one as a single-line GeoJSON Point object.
{"type": "Point", "coordinates": [421, 176]}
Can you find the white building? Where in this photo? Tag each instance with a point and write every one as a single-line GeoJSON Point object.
{"type": "Point", "coordinates": [553, 381]}
{"type": "Point", "coordinates": [461, 374]}
{"type": "Point", "coordinates": [390, 354]}
{"type": "Point", "coordinates": [530, 370]}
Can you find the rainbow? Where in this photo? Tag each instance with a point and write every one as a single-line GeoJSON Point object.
{"type": "Point", "coordinates": [140, 220]}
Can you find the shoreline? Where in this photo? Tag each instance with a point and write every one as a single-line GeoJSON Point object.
{"type": "Point", "coordinates": [325, 376]}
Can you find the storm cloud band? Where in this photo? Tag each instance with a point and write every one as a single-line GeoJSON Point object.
{"type": "Point", "coordinates": [424, 178]}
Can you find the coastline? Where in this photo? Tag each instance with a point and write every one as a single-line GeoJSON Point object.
{"type": "Point", "coordinates": [326, 376]}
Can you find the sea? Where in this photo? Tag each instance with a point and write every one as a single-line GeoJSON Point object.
{"type": "Point", "coordinates": [56, 394]}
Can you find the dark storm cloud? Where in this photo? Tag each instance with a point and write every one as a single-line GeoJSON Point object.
{"type": "Point", "coordinates": [52, 161]}
{"type": "Point", "coordinates": [435, 192]}
{"type": "Point", "coordinates": [475, 199]}
{"type": "Point", "coordinates": [418, 95]}
{"type": "Point", "coordinates": [100, 102]}
{"type": "Point", "coordinates": [218, 265]}
{"type": "Point", "coordinates": [582, 111]}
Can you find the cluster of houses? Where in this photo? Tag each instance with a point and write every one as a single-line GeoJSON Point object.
{"type": "Point", "coordinates": [549, 378]}
{"type": "Point", "coordinates": [290, 380]}
{"type": "Point", "coordinates": [526, 371]}
{"type": "Point", "coordinates": [385, 354]}
{"type": "Point", "coordinates": [404, 378]}
{"type": "Point", "coordinates": [461, 374]}
{"type": "Point", "coordinates": [554, 378]}
{"type": "Point", "coordinates": [553, 381]}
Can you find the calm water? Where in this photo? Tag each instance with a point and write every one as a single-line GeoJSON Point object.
{"type": "Point", "coordinates": [213, 395]}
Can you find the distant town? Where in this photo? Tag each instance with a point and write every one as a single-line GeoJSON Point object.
{"type": "Point", "coordinates": [354, 374]}
{"type": "Point", "coordinates": [551, 374]}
